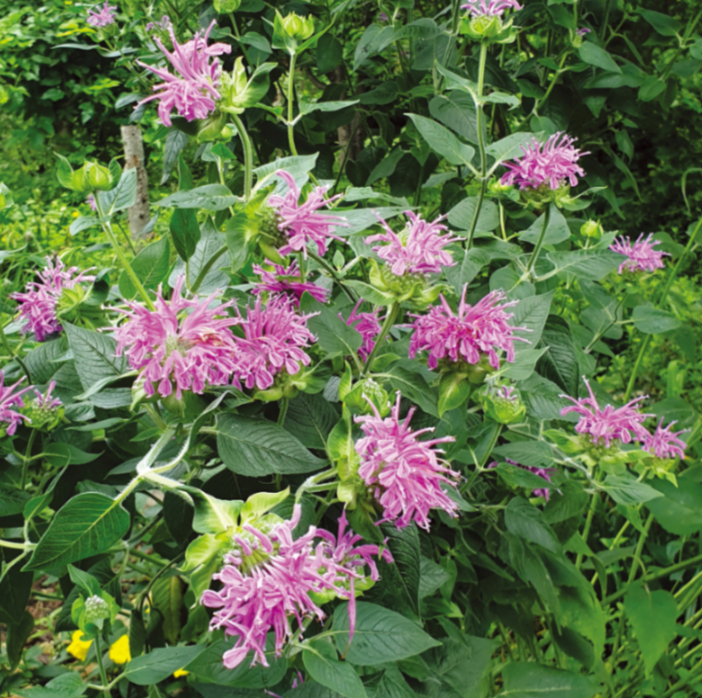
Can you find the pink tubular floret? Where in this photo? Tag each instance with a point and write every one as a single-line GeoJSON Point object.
{"type": "Point", "coordinates": [490, 8]}
{"type": "Point", "coordinates": [641, 254]}
{"type": "Point", "coordinates": [404, 474]}
{"type": "Point", "coordinates": [466, 335]}
{"type": "Point", "coordinates": [9, 399]}
{"type": "Point", "coordinates": [301, 222]}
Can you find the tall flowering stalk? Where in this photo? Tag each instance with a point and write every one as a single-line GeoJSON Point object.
{"type": "Point", "coordinates": [39, 305]}
{"type": "Point", "coordinates": [551, 164]}
{"type": "Point", "coordinates": [405, 475]}
{"type": "Point", "coordinates": [418, 249]}
{"type": "Point", "coordinates": [301, 222]}
{"type": "Point", "coordinates": [274, 340]}
{"type": "Point", "coordinates": [641, 255]}
{"type": "Point", "coordinates": [192, 89]}
{"type": "Point", "coordinates": [469, 333]}
{"type": "Point", "coordinates": [268, 579]}
{"type": "Point", "coordinates": [181, 342]}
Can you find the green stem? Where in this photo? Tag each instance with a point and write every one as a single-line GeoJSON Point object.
{"type": "Point", "coordinates": [248, 155]}
{"type": "Point", "coordinates": [291, 104]}
{"type": "Point", "coordinates": [540, 241]}
{"type": "Point", "coordinates": [15, 546]}
{"type": "Point", "coordinates": [588, 526]}
{"type": "Point", "coordinates": [664, 296]}
{"type": "Point", "coordinates": [332, 272]}
{"type": "Point", "coordinates": [27, 459]}
{"type": "Point", "coordinates": [101, 666]}
{"type": "Point", "coordinates": [481, 144]}
{"type": "Point", "coordinates": [387, 325]}
{"type": "Point", "coordinates": [107, 228]}
{"type": "Point", "coordinates": [283, 411]}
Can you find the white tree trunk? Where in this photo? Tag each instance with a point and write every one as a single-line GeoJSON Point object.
{"type": "Point", "coordinates": [134, 157]}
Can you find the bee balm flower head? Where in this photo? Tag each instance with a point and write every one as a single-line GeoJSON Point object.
{"type": "Point", "coordinates": [102, 17]}
{"type": "Point", "coordinates": [664, 443]}
{"type": "Point", "coordinates": [490, 8]}
{"type": "Point", "coordinates": [9, 399]}
{"type": "Point", "coordinates": [641, 254]}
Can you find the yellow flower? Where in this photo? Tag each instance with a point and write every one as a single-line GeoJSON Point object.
{"type": "Point", "coordinates": [119, 650]}
{"type": "Point", "coordinates": [75, 214]}
{"type": "Point", "coordinates": [79, 648]}
{"type": "Point", "coordinates": [180, 672]}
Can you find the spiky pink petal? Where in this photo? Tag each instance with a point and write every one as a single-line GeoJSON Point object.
{"type": "Point", "coordinates": [181, 342]}
{"type": "Point", "coordinates": [404, 474]}
{"type": "Point", "coordinates": [553, 162]}
{"type": "Point", "coordinates": [38, 304]}
{"type": "Point", "coordinates": [473, 331]}
{"type": "Point", "coordinates": [490, 8]}
{"type": "Point", "coordinates": [418, 249]}
{"type": "Point", "coordinates": [301, 222]}
{"type": "Point", "coordinates": [368, 324]}
{"type": "Point", "coordinates": [664, 443]}
{"type": "Point", "coordinates": [9, 399]}
{"type": "Point", "coordinates": [104, 16]}
{"type": "Point", "coordinates": [641, 254]}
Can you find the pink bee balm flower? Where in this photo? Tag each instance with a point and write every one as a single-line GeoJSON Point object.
{"type": "Point", "coordinates": [584, 31]}
{"type": "Point", "coordinates": [268, 578]}
{"type": "Point", "coordinates": [490, 8]}
{"type": "Point", "coordinates": [301, 222]}
{"type": "Point", "coordinates": [552, 163]}
{"type": "Point", "coordinates": [171, 345]}
{"type": "Point", "coordinates": [468, 334]}
{"type": "Point", "coordinates": [39, 304]}
{"type": "Point", "coordinates": [641, 255]}
{"type": "Point", "coordinates": [9, 399]}
{"type": "Point", "coordinates": [90, 200]}
{"type": "Point", "coordinates": [273, 341]}
{"type": "Point", "coordinates": [287, 281]}
{"type": "Point", "coordinates": [192, 91]}
{"type": "Point", "coordinates": [45, 401]}
{"type": "Point", "coordinates": [104, 16]}
{"type": "Point", "coordinates": [622, 423]}
{"type": "Point", "coordinates": [368, 324]}
{"type": "Point", "coordinates": [545, 473]}
{"type": "Point", "coordinates": [404, 474]}
{"type": "Point", "coordinates": [418, 249]}
{"type": "Point", "coordinates": [664, 443]}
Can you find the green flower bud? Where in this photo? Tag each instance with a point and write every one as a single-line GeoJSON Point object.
{"type": "Point", "coordinates": [98, 176]}
{"type": "Point", "coordinates": [299, 28]}
{"type": "Point", "coordinates": [209, 129]}
{"type": "Point", "coordinates": [503, 404]}
{"type": "Point", "coordinates": [368, 389]}
{"type": "Point", "coordinates": [488, 28]}
{"type": "Point", "coordinates": [96, 609]}
{"type": "Point", "coordinates": [592, 229]}
{"type": "Point", "coordinates": [223, 7]}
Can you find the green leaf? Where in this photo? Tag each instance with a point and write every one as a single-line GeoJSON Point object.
{"type": "Point", "coordinates": [185, 232]}
{"type": "Point", "coordinates": [323, 666]}
{"type": "Point", "coordinates": [125, 192]}
{"type": "Point", "coordinates": [370, 293]}
{"type": "Point", "coordinates": [461, 215]}
{"type": "Point", "coordinates": [404, 546]}
{"type": "Point", "coordinates": [652, 615]}
{"type": "Point", "coordinates": [651, 320]}
{"type": "Point", "coordinates": [559, 362]}
{"type": "Point", "coordinates": [167, 598]}
{"type": "Point", "coordinates": [557, 230]}
{"type": "Point", "coordinates": [86, 525]}
{"type": "Point", "coordinates": [531, 313]}
{"type": "Point", "coordinates": [526, 521]}
{"type": "Point", "coordinates": [663, 24]}
{"type": "Point", "coordinates": [385, 93]}
{"type": "Point", "coordinates": [514, 476]}
{"type": "Point", "coordinates": [160, 663]}
{"type": "Point", "coordinates": [592, 54]}
{"type": "Point", "coordinates": [15, 588]}
{"type": "Point", "coordinates": [209, 667]}
{"type": "Point", "coordinates": [454, 389]}
{"type": "Point", "coordinates": [385, 167]}
{"type": "Point", "coordinates": [652, 87]}
{"type": "Point", "coordinates": [679, 510]}
{"type": "Point", "coordinates": [309, 107]}
{"type": "Point", "coordinates": [413, 387]}
{"type": "Point", "coordinates": [625, 489]}
{"type": "Point", "coordinates": [94, 354]}
{"type": "Point", "coordinates": [466, 269]}
{"type": "Point", "coordinates": [311, 418]}
{"type": "Point", "coordinates": [431, 577]}
{"type": "Point", "coordinates": [212, 197]}
{"type": "Point", "coordinates": [257, 447]}
{"type": "Point", "coordinates": [17, 636]}
{"type": "Point", "coordinates": [381, 635]}
{"type": "Point", "coordinates": [329, 53]}
{"type": "Point", "coordinates": [529, 680]}
{"type": "Point", "coordinates": [457, 111]}
{"type": "Point", "coordinates": [585, 264]}
{"type": "Point", "coordinates": [151, 266]}
{"type": "Point", "coordinates": [68, 685]}
{"type": "Point", "coordinates": [333, 334]}
{"type": "Point", "coordinates": [442, 141]}
{"type": "Point", "coordinates": [534, 453]}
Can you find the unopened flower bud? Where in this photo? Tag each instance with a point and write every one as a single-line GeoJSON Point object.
{"type": "Point", "coordinates": [97, 176]}
{"type": "Point", "coordinates": [224, 7]}
{"type": "Point", "coordinates": [592, 229]}
{"type": "Point", "coordinates": [503, 405]}
{"type": "Point", "coordinates": [299, 28]}
{"type": "Point", "coordinates": [96, 609]}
